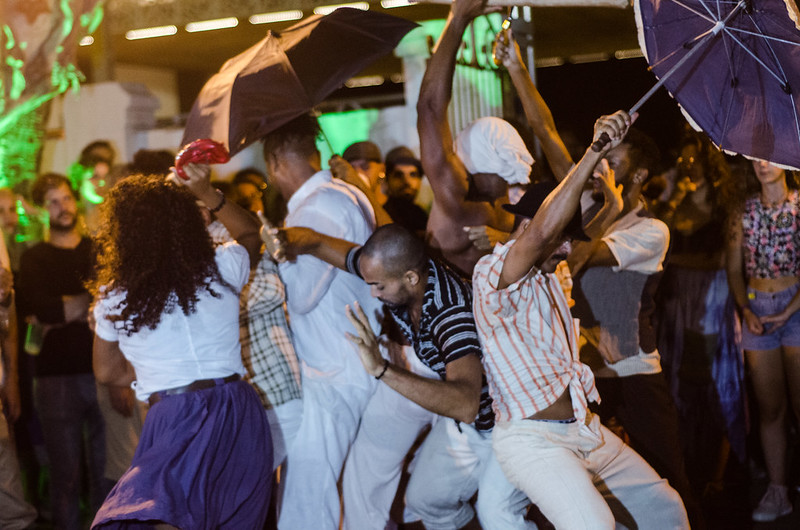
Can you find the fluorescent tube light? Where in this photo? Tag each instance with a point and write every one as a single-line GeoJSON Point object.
{"type": "Point", "coordinates": [324, 10]}
{"type": "Point", "coordinates": [280, 16]}
{"type": "Point", "coordinates": [210, 25]}
{"type": "Point", "coordinates": [149, 33]}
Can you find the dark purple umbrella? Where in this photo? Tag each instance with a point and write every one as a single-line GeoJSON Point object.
{"type": "Point", "coordinates": [734, 68]}
{"type": "Point", "coordinates": [289, 72]}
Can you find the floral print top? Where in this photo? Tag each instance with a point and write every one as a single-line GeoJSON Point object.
{"type": "Point", "coordinates": [771, 237]}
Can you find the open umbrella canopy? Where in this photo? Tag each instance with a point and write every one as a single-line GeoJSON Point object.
{"type": "Point", "coordinates": [289, 72]}
{"type": "Point", "coordinates": [740, 77]}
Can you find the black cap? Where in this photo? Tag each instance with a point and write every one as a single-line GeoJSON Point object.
{"type": "Point", "coordinates": [363, 151]}
{"type": "Point", "coordinates": [529, 204]}
{"type": "Point", "coordinates": [402, 155]}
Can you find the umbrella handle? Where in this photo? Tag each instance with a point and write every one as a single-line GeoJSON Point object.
{"type": "Point", "coordinates": [601, 142]}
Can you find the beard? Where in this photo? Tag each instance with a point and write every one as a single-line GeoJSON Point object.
{"type": "Point", "coordinates": [64, 222]}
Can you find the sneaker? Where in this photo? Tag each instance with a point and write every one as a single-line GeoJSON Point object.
{"type": "Point", "coordinates": [775, 503]}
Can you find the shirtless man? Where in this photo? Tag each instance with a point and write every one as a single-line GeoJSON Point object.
{"type": "Point", "coordinates": [469, 181]}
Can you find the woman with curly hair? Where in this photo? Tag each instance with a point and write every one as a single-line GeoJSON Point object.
{"type": "Point", "coordinates": [166, 311]}
{"type": "Point", "coordinates": [764, 275]}
{"type": "Point", "coordinates": [696, 315]}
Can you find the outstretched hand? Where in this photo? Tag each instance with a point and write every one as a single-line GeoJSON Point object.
{"type": "Point", "coordinates": [485, 237]}
{"type": "Point", "coordinates": [365, 340]}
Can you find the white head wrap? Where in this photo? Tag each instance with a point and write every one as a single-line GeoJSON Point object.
{"type": "Point", "coordinates": [492, 145]}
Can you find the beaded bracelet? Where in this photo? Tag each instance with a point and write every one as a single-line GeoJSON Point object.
{"type": "Point", "coordinates": [385, 367]}
{"type": "Point", "coordinates": [221, 203]}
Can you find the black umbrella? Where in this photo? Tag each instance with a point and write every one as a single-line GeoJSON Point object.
{"type": "Point", "coordinates": [289, 72]}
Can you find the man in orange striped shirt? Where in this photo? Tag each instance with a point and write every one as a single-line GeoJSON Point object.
{"type": "Point", "coordinates": [546, 440]}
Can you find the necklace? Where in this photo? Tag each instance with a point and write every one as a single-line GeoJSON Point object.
{"type": "Point", "coordinates": [772, 203]}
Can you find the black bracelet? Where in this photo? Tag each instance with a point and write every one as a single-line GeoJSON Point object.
{"type": "Point", "coordinates": [221, 203]}
{"type": "Point", "coordinates": [385, 367]}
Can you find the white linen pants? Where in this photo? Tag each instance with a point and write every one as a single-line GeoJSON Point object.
{"type": "Point", "coordinates": [390, 425]}
{"type": "Point", "coordinates": [583, 481]}
{"type": "Point", "coordinates": [331, 412]}
{"type": "Point", "coordinates": [453, 463]}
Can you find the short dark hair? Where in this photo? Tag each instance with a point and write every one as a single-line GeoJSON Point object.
{"type": "Point", "coordinates": [397, 249]}
{"type": "Point", "coordinates": [299, 135]}
{"type": "Point", "coordinates": [89, 155]}
{"type": "Point", "coordinates": [47, 182]}
{"type": "Point", "coordinates": [642, 152]}
{"type": "Point", "coordinates": [250, 175]}
{"type": "Point", "coordinates": [152, 162]}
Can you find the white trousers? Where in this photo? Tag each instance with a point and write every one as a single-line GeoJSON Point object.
{"type": "Point", "coordinates": [453, 463]}
{"type": "Point", "coordinates": [284, 422]}
{"type": "Point", "coordinates": [331, 412]}
{"type": "Point", "coordinates": [390, 425]}
{"type": "Point", "coordinates": [583, 481]}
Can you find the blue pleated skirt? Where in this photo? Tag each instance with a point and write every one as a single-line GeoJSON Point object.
{"type": "Point", "coordinates": [204, 461]}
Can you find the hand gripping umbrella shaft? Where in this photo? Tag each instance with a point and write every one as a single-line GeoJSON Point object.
{"type": "Point", "coordinates": [601, 142]}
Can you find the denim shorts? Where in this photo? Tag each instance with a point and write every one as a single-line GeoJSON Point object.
{"type": "Point", "coordinates": [762, 304]}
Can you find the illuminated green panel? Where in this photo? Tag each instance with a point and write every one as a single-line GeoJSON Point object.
{"type": "Point", "coordinates": [344, 128]}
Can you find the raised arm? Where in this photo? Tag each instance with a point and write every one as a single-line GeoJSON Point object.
{"type": "Point", "coordinates": [446, 173]}
{"type": "Point", "coordinates": [544, 230]}
{"type": "Point", "coordinates": [536, 110]}
{"type": "Point", "coordinates": [241, 225]}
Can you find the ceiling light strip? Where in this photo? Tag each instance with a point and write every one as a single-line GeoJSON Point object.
{"type": "Point", "coordinates": [390, 4]}
{"type": "Point", "coordinates": [211, 25]}
{"type": "Point", "coordinates": [279, 16]}
{"type": "Point", "coordinates": [149, 33]}
{"type": "Point", "coordinates": [324, 10]}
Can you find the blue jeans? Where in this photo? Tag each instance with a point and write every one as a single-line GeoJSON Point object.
{"type": "Point", "coordinates": [68, 410]}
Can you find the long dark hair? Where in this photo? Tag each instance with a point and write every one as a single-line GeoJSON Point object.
{"type": "Point", "coordinates": [153, 247]}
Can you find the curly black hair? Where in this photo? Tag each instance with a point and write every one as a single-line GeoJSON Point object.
{"type": "Point", "coordinates": [153, 246]}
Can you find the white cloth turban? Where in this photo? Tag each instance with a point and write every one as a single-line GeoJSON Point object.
{"type": "Point", "coordinates": [492, 145]}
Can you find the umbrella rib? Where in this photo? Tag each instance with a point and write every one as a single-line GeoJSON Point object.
{"type": "Point", "coordinates": [765, 37]}
{"type": "Point", "coordinates": [783, 80]}
{"type": "Point", "coordinates": [771, 49]}
{"type": "Point", "coordinates": [669, 55]}
{"type": "Point", "coordinates": [709, 18]}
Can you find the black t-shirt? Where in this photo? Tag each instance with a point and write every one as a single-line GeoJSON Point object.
{"type": "Point", "coordinates": [46, 274]}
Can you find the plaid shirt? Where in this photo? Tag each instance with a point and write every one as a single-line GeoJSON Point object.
{"type": "Point", "coordinates": [267, 350]}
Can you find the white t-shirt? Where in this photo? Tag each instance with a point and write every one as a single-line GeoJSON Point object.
{"type": "Point", "coordinates": [639, 243]}
{"type": "Point", "coordinates": [185, 348]}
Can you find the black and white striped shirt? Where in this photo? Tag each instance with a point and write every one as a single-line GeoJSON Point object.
{"type": "Point", "coordinates": [446, 330]}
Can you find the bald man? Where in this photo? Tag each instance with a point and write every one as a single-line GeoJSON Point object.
{"type": "Point", "coordinates": [445, 385]}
